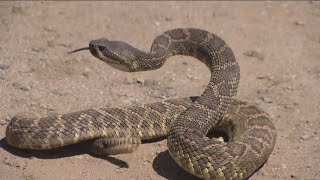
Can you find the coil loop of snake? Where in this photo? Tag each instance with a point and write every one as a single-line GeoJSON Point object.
{"type": "Point", "coordinates": [185, 121]}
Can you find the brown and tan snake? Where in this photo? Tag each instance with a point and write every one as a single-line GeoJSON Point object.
{"type": "Point", "coordinates": [186, 121]}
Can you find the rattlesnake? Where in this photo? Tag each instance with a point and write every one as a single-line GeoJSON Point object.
{"type": "Point", "coordinates": [186, 121]}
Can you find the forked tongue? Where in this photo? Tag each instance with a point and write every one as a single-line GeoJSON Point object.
{"type": "Point", "coordinates": [80, 49]}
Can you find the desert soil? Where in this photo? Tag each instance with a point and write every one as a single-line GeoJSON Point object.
{"type": "Point", "coordinates": [276, 43]}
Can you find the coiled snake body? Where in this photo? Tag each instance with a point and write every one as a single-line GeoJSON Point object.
{"type": "Point", "coordinates": [186, 121]}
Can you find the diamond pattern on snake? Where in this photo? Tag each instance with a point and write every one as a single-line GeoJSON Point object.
{"type": "Point", "coordinates": [185, 122]}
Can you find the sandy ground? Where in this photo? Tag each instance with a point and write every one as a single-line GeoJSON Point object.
{"type": "Point", "coordinates": [276, 43]}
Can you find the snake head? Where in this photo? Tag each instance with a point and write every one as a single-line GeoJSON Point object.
{"type": "Point", "coordinates": [117, 54]}
{"type": "Point", "coordinates": [122, 56]}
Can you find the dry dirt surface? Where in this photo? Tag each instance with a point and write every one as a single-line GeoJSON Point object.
{"type": "Point", "coordinates": [276, 43]}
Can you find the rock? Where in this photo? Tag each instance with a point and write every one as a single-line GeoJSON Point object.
{"type": "Point", "coordinates": [287, 106]}
{"type": "Point", "coordinates": [29, 177]}
{"type": "Point", "coordinates": [23, 87]}
{"type": "Point", "coordinates": [129, 80]}
{"type": "Point", "coordinates": [44, 106]}
{"type": "Point", "coordinates": [266, 99]}
{"type": "Point", "coordinates": [255, 54]}
{"type": "Point", "coordinates": [150, 82]}
{"type": "Point", "coordinates": [317, 39]}
{"type": "Point", "coordinates": [165, 93]}
{"type": "Point", "coordinates": [65, 45]}
{"type": "Point", "coordinates": [85, 74]}
{"type": "Point", "coordinates": [168, 19]}
{"type": "Point", "coordinates": [169, 93]}
{"type": "Point", "coordinates": [50, 43]}
{"type": "Point", "coordinates": [290, 88]}
{"type": "Point", "coordinates": [293, 176]}
{"type": "Point", "coordinates": [37, 58]}
{"type": "Point", "coordinates": [17, 10]}
{"type": "Point", "coordinates": [5, 121]}
{"type": "Point", "coordinates": [130, 101]}
{"type": "Point", "coordinates": [140, 81]}
{"type": "Point", "coordinates": [262, 172]}
{"type": "Point", "coordinates": [144, 82]}
{"type": "Point", "coordinates": [6, 161]}
{"type": "Point", "coordinates": [315, 71]}
{"type": "Point", "coordinates": [28, 70]}
{"type": "Point", "coordinates": [267, 77]}
{"type": "Point", "coordinates": [284, 166]}
{"type": "Point", "coordinates": [40, 49]}
{"type": "Point", "coordinates": [49, 29]}
{"type": "Point", "coordinates": [59, 93]}
{"type": "Point", "coordinates": [157, 23]}
{"type": "Point", "coordinates": [4, 66]}
{"type": "Point", "coordinates": [298, 23]}
{"type": "Point", "coordinates": [305, 136]}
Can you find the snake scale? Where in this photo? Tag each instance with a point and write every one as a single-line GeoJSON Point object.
{"type": "Point", "coordinates": [186, 122]}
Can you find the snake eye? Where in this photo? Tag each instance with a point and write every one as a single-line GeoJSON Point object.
{"type": "Point", "coordinates": [101, 48]}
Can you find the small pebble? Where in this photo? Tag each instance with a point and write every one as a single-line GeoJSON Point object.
{"type": "Point", "coordinates": [166, 93]}
{"type": "Point", "coordinates": [37, 58]}
{"type": "Point", "coordinates": [169, 93]}
{"type": "Point", "coordinates": [317, 39]}
{"type": "Point", "coordinates": [284, 166]}
{"type": "Point", "coordinates": [65, 45]}
{"type": "Point", "coordinates": [168, 19]}
{"type": "Point", "coordinates": [3, 122]}
{"type": "Point", "coordinates": [157, 23]}
{"type": "Point", "coordinates": [293, 176]}
{"type": "Point", "coordinates": [129, 80]}
{"type": "Point", "coordinates": [305, 136]}
{"type": "Point", "coordinates": [266, 99]}
{"type": "Point", "coordinates": [85, 74]}
{"type": "Point", "coordinates": [267, 77]}
{"type": "Point", "coordinates": [17, 10]}
{"type": "Point", "coordinates": [59, 93]}
{"type": "Point", "coordinates": [49, 28]}
{"type": "Point", "coordinates": [40, 49]}
{"type": "Point", "coordinates": [4, 66]}
{"type": "Point", "coordinates": [149, 82]}
{"type": "Point", "coordinates": [255, 54]}
{"type": "Point", "coordinates": [50, 43]}
{"type": "Point", "coordinates": [44, 106]}
{"type": "Point", "coordinates": [23, 87]}
{"type": "Point", "coordinates": [287, 106]}
{"type": "Point", "coordinates": [140, 81]}
{"type": "Point", "coordinates": [290, 88]}
{"type": "Point", "coordinates": [298, 23]}
{"type": "Point", "coordinates": [129, 101]}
